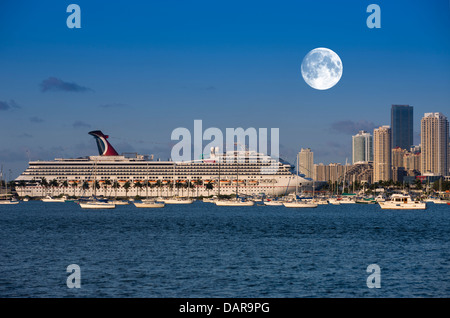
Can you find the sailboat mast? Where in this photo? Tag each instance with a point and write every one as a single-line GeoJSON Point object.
{"type": "Point", "coordinates": [237, 176]}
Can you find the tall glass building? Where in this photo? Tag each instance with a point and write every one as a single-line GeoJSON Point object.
{"type": "Point", "coordinates": [402, 126]}
{"type": "Point", "coordinates": [362, 147]}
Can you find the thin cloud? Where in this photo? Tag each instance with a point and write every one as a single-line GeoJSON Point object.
{"type": "Point", "coordinates": [350, 127]}
{"type": "Point", "coordinates": [8, 105]}
{"type": "Point", "coordinates": [80, 124]}
{"type": "Point", "coordinates": [54, 84]}
{"type": "Point", "coordinates": [36, 119]}
{"type": "Point", "coordinates": [114, 105]}
{"type": "Point", "coordinates": [25, 135]}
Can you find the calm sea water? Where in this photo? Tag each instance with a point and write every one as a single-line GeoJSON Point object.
{"type": "Point", "coordinates": [202, 250]}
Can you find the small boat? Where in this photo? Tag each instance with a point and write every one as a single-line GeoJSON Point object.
{"type": "Point", "coordinates": [436, 201]}
{"type": "Point", "coordinates": [320, 201]}
{"type": "Point", "coordinates": [403, 202]}
{"type": "Point", "coordinates": [120, 202]}
{"type": "Point", "coordinates": [300, 204]}
{"type": "Point", "coordinates": [177, 201]}
{"type": "Point", "coordinates": [273, 203]}
{"type": "Point", "coordinates": [334, 201]}
{"type": "Point", "coordinates": [234, 203]}
{"type": "Point", "coordinates": [366, 201]}
{"type": "Point", "coordinates": [9, 201]}
{"type": "Point", "coordinates": [149, 204]}
{"type": "Point", "coordinates": [50, 199]}
{"type": "Point", "coordinates": [347, 200]}
{"type": "Point", "coordinates": [94, 203]}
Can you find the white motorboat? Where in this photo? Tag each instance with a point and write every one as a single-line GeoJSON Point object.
{"type": "Point", "coordinates": [403, 202]}
{"type": "Point", "coordinates": [320, 201]}
{"type": "Point", "coordinates": [8, 201]}
{"type": "Point", "coordinates": [273, 203]}
{"type": "Point", "coordinates": [149, 204]}
{"type": "Point", "coordinates": [347, 200]}
{"type": "Point", "coordinates": [120, 202]}
{"type": "Point", "coordinates": [94, 204]}
{"type": "Point", "coordinates": [436, 201]}
{"type": "Point", "coordinates": [234, 203]}
{"type": "Point", "coordinates": [300, 204]}
{"type": "Point", "coordinates": [177, 201]}
{"type": "Point", "coordinates": [50, 199]}
{"type": "Point", "coordinates": [334, 201]}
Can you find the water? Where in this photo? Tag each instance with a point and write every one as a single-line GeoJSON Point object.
{"type": "Point", "coordinates": [201, 250]}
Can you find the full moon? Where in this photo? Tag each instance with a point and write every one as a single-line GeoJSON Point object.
{"type": "Point", "coordinates": [322, 68]}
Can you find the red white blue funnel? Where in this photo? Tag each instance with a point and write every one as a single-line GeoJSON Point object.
{"type": "Point", "coordinates": [104, 147]}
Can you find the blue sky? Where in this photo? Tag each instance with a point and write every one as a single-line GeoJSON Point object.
{"type": "Point", "coordinates": [139, 69]}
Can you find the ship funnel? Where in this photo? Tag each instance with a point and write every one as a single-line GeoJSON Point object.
{"type": "Point", "coordinates": [104, 147]}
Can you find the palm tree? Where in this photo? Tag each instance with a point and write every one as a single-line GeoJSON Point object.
{"type": "Point", "coordinates": [106, 185]}
{"type": "Point", "coordinates": [199, 182]}
{"type": "Point", "coordinates": [126, 186]}
{"type": "Point", "coordinates": [95, 186]}
{"type": "Point", "coordinates": [115, 186]}
{"type": "Point", "coordinates": [74, 186]}
{"type": "Point", "coordinates": [209, 186]}
{"type": "Point", "coordinates": [53, 183]}
{"type": "Point", "coordinates": [138, 185]}
{"type": "Point", "coordinates": [85, 186]}
{"type": "Point", "coordinates": [65, 185]}
{"type": "Point", "coordinates": [159, 185]}
{"type": "Point", "coordinates": [44, 185]}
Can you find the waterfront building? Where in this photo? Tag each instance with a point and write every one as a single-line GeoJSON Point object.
{"type": "Point", "coordinates": [382, 154]}
{"type": "Point", "coordinates": [434, 144]}
{"type": "Point", "coordinates": [306, 162]}
{"type": "Point", "coordinates": [362, 147]}
{"type": "Point", "coordinates": [402, 126]}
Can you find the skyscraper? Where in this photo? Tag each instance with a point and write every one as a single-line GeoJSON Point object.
{"type": "Point", "coordinates": [306, 162]}
{"type": "Point", "coordinates": [382, 154]}
{"type": "Point", "coordinates": [362, 147]}
{"type": "Point", "coordinates": [434, 144]}
{"type": "Point", "coordinates": [402, 126]}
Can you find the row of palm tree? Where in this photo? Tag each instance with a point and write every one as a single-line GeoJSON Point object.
{"type": "Point", "coordinates": [115, 185]}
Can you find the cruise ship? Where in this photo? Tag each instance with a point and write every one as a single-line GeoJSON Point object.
{"type": "Point", "coordinates": [112, 175]}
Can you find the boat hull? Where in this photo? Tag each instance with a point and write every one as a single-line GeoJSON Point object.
{"type": "Point", "coordinates": [97, 205]}
{"type": "Point", "coordinates": [234, 203]}
{"type": "Point", "coordinates": [175, 201]}
{"type": "Point", "coordinates": [399, 206]}
{"type": "Point", "coordinates": [300, 205]}
{"type": "Point", "coordinates": [148, 204]}
{"type": "Point", "coordinates": [9, 202]}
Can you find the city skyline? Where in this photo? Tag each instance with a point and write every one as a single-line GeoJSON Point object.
{"type": "Point", "coordinates": [137, 71]}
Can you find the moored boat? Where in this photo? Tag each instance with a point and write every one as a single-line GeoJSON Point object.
{"type": "Point", "coordinates": [300, 204]}
{"type": "Point", "coordinates": [403, 202]}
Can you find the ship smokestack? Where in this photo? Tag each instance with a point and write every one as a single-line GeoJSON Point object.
{"type": "Point", "coordinates": [104, 147]}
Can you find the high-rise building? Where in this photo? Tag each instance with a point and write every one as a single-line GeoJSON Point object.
{"type": "Point", "coordinates": [362, 147]}
{"type": "Point", "coordinates": [382, 154]}
{"type": "Point", "coordinates": [306, 162]}
{"type": "Point", "coordinates": [402, 126]}
{"type": "Point", "coordinates": [434, 144]}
